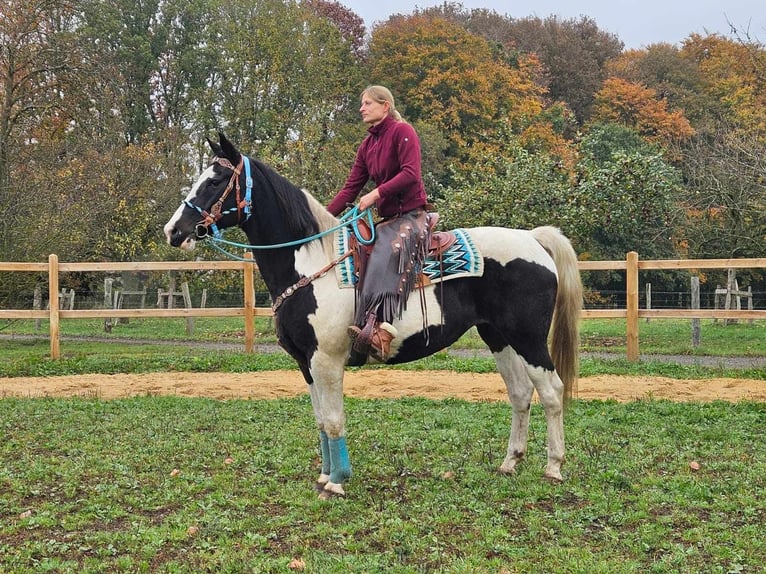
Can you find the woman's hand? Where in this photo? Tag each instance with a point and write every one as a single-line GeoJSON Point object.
{"type": "Point", "coordinates": [369, 199]}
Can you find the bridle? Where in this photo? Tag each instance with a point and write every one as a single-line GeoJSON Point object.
{"type": "Point", "coordinates": [242, 205]}
{"type": "Point", "coordinates": [243, 208]}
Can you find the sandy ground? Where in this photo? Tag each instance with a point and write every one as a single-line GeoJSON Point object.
{"type": "Point", "coordinates": [370, 384]}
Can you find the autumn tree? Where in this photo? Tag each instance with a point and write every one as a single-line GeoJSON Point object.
{"type": "Point", "coordinates": [445, 76]}
{"type": "Point", "coordinates": [733, 74]}
{"type": "Point", "coordinates": [723, 163]}
{"type": "Point", "coordinates": [674, 77]}
{"type": "Point", "coordinates": [640, 108]}
{"type": "Point", "coordinates": [37, 56]}
{"type": "Point", "coordinates": [574, 53]}
{"type": "Point", "coordinates": [349, 24]}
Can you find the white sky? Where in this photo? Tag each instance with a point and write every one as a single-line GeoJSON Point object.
{"type": "Point", "coordinates": [637, 23]}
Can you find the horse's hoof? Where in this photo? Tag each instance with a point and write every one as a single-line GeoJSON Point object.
{"type": "Point", "coordinates": [554, 478]}
{"type": "Point", "coordinates": [332, 490]}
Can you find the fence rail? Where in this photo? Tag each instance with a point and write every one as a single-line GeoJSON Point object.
{"type": "Point", "coordinates": [631, 265]}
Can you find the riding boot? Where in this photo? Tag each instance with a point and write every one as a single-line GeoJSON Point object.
{"type": "Point", "coordinates": [382, 335]}
{"type": "Point", "coordinates": [373, 339]}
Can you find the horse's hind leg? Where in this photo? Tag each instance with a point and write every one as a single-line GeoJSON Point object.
{"type": "Point", "coordinates": [514, 372]}
{"type": "Point", "coordinates": [550, 389]}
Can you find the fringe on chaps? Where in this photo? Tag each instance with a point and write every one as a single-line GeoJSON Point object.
{"type": "Point", "coordinates": [393, 268]}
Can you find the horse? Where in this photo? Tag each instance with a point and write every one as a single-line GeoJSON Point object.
{"type": "Point", "coordinates": [529, 292]}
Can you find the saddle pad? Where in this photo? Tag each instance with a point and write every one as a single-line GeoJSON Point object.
{"type": "Point", "coordinates": [462, 259]}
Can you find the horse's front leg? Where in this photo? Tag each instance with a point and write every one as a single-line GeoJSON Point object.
{"type": "Point", "coordinates": [327, 399]}
{"type": "Point", "coordinates": [324, 443]}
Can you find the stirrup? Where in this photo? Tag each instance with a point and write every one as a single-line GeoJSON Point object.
{"type": "Point", "coordinates": [359, 342]}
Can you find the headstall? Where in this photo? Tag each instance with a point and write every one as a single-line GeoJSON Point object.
{"type": "Point", "coordinates": [242, 204]}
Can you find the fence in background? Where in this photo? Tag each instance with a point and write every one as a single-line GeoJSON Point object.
{"type": "Point", "coordinates": [631, 265]}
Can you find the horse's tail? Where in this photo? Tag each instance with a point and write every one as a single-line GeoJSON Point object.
{"type": "Point", "coordinates": [565, 332]}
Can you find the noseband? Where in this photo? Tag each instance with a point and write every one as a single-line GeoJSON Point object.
{"type": "Point", "coordinates": [241, 206]}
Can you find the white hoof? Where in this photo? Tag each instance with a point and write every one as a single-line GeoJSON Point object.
{"type": "Point", "coordinates": [332, 490]}
{"type": "Point", "coordinates": [554, 475]}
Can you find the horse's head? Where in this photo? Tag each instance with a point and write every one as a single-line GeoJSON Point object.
{"type": "Point", "coordinates": [220, 198]}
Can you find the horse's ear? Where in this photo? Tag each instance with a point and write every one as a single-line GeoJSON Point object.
{"type": "Point", "coordinates": [228, 150]}
{"type": "Point", "coordinates": [217, 151]}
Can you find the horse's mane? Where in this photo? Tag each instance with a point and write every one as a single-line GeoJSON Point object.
{"type": "Point", "coordinates": [302, 214]}
{"type": "Point", "coordinates": [293, 203]}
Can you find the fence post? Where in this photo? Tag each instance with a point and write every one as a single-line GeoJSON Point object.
{"type": "Point", "coordinates": [37, 304]}
{"type": "Point", "coordinates": [53, 299]}
{"type": "Point", "coordinates": [188, 304]}
{"type": "Point", "coordinates": [695, 305]}
{"type": "Point", "coordinates": [648, 298]}
{"type": "Point", "coordinates": [631, 306]}
{"type": "Point", "coordinates": [249, 286]}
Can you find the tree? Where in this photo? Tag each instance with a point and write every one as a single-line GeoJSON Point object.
{"type": "Point", "coordinates": [283, 86]}
{"type": "Point", "coordinates": [512, 187]}
{"type": "Point", "coordinates": [349, 24]}
{"type": "Point", "coordinates": [639, 108]}
{"type": "Point", "coordinates": [726, 198]}
{"type": "Point", "coordinates": [628, 195]}
{"type": "Point", "coordinates": [663, 68]}
{"type": "Point", "coordinates": [36, 56]}
{"type": "Point", "coordinates": [574, 52]}
{"type": "Point", "coordinates": [455, 81]}
{"type": "Point", "coordinates": [733, 74]}
{"type": "Point", "coordinates": [130, 44]}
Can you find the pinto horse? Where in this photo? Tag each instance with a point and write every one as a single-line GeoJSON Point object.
{"type": "Point", "coordinates": [529, 285]}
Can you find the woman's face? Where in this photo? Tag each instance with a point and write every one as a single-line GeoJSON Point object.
{"type": "Point", "coordinates": [373, 112]}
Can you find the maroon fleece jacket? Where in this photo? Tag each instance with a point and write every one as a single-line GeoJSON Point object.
{"type": "Point", "coordinates": [389, 156]}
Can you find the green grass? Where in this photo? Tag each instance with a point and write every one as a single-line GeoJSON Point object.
{"type": "Point", "coordinates": [151, 345]}
{"type": "Point", "coordinates": [674, 337]}
{"type": "Point", "coordinates": [88, 486]}
{"type": "Point", "coordinates": [22, 358]}
{"type": "Point", "coordinates": [659, 336]}
{"type": "Point", "coordinates": [206, 329]}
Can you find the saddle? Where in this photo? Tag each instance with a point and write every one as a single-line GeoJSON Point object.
{"type": "Point", "coordinates": [440, 241]}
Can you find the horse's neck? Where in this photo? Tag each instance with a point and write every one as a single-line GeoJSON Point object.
{"type": "Point", "coordinates": [326, 220]}
{"type": "Point", "coordinates": [280, 271]}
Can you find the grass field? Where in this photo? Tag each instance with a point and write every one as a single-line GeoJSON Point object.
{"type": "Point", "coordinates": [162, 345]}
{"type": "Point", "coordinates": [178, 485]}
{"type": "Point", "coordinates": [191, 485]}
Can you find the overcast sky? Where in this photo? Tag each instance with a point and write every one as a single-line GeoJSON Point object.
{"type": "Point", "coordinates": [637, 23]}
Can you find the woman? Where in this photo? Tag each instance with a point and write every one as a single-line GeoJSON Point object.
{"type": "Point", "coordinates": [390, 157]}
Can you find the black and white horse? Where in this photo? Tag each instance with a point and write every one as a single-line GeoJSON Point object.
{"type": "Point", "coordinates": [530, 285]}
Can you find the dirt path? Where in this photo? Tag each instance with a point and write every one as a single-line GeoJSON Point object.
{"type": "Point", "coordinates": [370, 384]}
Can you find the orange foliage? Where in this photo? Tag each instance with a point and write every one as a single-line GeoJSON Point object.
{"type": "Point", "coordinates": [637, 107]}
{"type": "Point", "coordinates": [452, 79]}
{"type": "Point", "coordinates": [734, 74]}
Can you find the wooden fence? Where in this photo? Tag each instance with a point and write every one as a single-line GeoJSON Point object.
{"type": "Point", "coordinates": [631, 265]}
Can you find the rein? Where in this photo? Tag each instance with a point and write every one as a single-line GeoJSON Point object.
{"type": "Point", "coordinates": [210, 219]}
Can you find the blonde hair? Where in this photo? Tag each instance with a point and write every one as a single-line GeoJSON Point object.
{"type": "Point", "coordinates": [382, 94]}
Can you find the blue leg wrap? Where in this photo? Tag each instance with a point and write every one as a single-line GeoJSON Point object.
{"type": "Point", "coordinates": [324, 445]}
{"type": "Point", "coordinates": [341, 465]}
